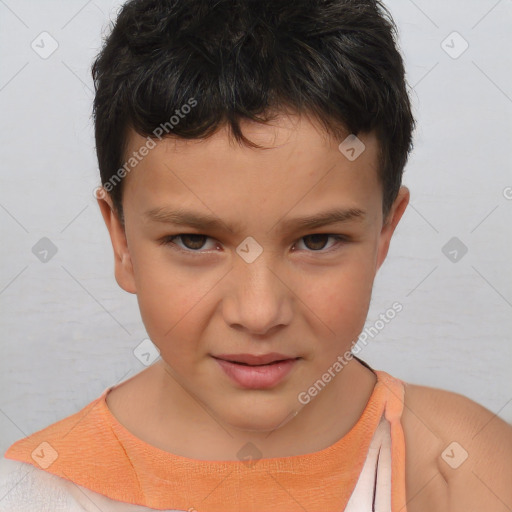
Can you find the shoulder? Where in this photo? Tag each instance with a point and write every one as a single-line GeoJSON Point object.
{"type": "Point", "coordinates": [458, 453]}
{"type": "Point", "coordinates": [22, 486]}
{"type": "Point", "coordinates": [25, 488]}
{"type": "Point", "coordinates": [53, 442]}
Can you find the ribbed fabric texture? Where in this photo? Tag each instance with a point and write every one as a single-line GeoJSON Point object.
{"type": "Point", "coordinates": [95, 451]}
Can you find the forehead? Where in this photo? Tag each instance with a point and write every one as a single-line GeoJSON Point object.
{"type": "Point", "coordinates": [299, 165]}
{"type": "Point", "coordinates": [302, 133]}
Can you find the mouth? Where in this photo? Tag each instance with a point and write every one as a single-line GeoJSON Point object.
{"type": "Point", "coordinates": [256, 372]}
{"type": "Point", "coordinates": [266, 364]}
{"type": "Point", "coordinates": [255, 360]}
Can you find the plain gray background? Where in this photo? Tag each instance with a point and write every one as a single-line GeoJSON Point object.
{"type": "Point", "coordinates": [68, 332]}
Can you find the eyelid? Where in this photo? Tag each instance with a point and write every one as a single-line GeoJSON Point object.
{"type": "Point", "coordinates": [168, 240]}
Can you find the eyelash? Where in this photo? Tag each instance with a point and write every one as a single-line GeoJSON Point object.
{"type": "Point", "coordinates": [169, 241]}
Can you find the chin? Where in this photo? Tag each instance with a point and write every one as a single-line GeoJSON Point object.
{"type": "Point", "coordinates": [260, 417]}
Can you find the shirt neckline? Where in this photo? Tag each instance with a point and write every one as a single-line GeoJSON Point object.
{"type": "Point", "coordinates": [362, 429]}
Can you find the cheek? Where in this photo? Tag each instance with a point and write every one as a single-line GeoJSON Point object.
{"type": "Point", "coordinates": [169, 310]}
{"type": "Point", "coordinates": [342, 291]}
{"type": "Point", "coordinates": [168, 317]}
{"type": "Point", "coordinates": [174, 303]}
{"type": "Point", "coordinates": [338, 305]}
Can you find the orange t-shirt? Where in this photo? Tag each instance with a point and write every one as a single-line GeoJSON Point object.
{"type": "Point", "coordinates": [96, 453]}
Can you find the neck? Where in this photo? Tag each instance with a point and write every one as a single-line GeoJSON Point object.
{"type": "Point", "coordinates": [198, 434]}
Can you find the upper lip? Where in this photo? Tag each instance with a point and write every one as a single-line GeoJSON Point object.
{"type": "Point", "coordinates": [254, 359]}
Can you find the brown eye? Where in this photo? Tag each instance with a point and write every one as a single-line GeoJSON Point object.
{"type": "Point", "coordinates": [188, 242]}
{"type": "Point", "coordinates": [315, 242]}
{"type": "Point", "coordinates": [319, 242]}
{"type": "Point", "coordinates": [192, 241]}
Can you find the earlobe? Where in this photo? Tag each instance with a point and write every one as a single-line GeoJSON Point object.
{"type": "Point", "coordinates": [122, 261]}
{"type": "Point", "coordinates": [394, 216]}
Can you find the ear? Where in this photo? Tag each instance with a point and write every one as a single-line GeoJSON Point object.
{"type": "Point", "coordinates": [122, 260]}
{"type": "Point", "coordinates": [390, 223]}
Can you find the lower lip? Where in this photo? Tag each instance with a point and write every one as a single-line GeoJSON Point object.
{"type": "Point", "coordinates": [257, 377]}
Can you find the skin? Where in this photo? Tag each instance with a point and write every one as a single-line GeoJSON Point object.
{"type": "Point", "coordinates": [297, 298]}
{"type": "Point", "coordinates": [434, 419]}
{"type": "Point", "coordinates": [307, 301]}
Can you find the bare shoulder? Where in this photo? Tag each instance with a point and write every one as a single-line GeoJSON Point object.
{"type": "Point", "coordinates": [458, 453]}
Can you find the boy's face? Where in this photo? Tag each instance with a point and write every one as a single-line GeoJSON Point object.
{"type": "Point", "coordinates": [303, 296]}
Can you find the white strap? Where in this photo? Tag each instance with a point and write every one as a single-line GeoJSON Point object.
{"type": "Point", "coordinates": [372, 492]}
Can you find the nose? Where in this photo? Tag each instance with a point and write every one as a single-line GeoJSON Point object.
{"type": "Point", "coordinates": [257, 299]}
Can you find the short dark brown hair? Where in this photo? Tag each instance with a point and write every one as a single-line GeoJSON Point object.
{"type": "Point", "coordinates": [335, 60]}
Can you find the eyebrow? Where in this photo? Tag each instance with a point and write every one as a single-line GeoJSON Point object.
{"type": "Point", "coordinates": [181, 217]}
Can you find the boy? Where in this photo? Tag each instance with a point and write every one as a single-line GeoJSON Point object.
{"type": "Point", "coordinates": [251, 156]}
